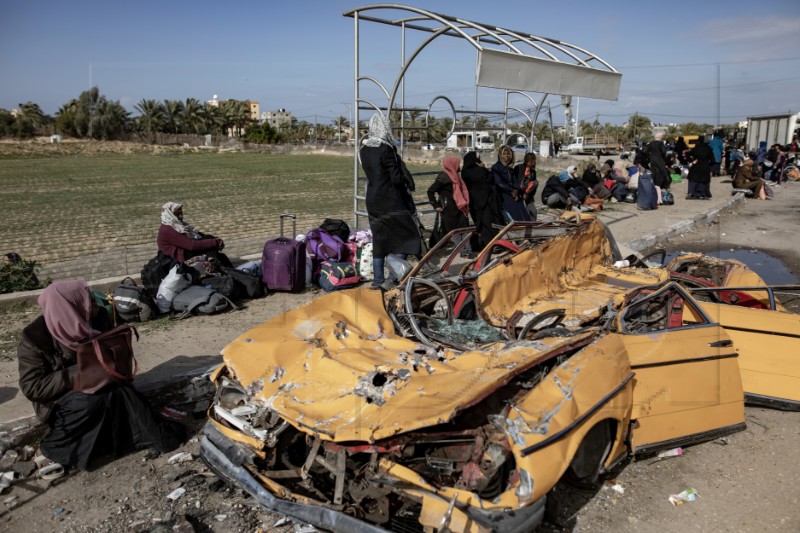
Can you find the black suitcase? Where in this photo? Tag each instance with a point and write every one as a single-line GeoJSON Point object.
{"type": "Point", "coordinates": [283, 262]}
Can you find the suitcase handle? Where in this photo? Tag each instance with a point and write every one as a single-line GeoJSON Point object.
{"type": "Point", "coordinates": [294, 223]}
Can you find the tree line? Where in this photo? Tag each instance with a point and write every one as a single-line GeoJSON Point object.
{"type": "Point", "coordinates": [93, 116]}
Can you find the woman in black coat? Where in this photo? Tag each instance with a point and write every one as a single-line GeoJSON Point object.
{"type": "Point", "coordinates": [700, 158]}
{"type": "Point", "coordinates": [484, 205]}
{"type": "Point", "coordinates": [390, 206]}
{"type": "Point", "coordinates": [658, 166]}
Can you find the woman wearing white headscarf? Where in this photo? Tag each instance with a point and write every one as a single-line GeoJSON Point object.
{"type": "Point", "coordinates": [180, 240]}
{"type": "Point", "coordinates": [389, 203]}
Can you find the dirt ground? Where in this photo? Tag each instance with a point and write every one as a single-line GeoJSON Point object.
{"type": "Point", "coordinates": [746, 481]}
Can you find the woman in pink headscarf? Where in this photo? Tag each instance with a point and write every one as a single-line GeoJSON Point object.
{"type": "Point", "coordinates": [448, 195]}
{"type": "Point", "coordinates": [114, 419]}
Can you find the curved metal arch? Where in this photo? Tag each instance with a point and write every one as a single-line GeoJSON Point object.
{"type": "Point", "coordinates": [454, 26]}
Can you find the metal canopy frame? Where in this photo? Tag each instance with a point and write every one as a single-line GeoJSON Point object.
{"type": "Point", "coordinates": [516, 62]}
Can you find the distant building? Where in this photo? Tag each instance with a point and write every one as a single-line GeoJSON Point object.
{"type": "Point", "coordinates": [278, 118]}
{"type": "Point", "coordinates": [214, 102]}
{"type": "Point", "coordinates": [253, 108]}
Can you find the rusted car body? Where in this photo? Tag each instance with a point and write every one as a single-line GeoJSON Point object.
{"type": "Point", "coordinates": [458, 400]}
{"type": "Point", "coordinates": [762, 321]}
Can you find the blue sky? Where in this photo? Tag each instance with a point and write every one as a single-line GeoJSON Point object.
{"type": "Point", "coordinates": [299, 55]}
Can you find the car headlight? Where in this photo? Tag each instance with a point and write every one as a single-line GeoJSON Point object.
{"type": "Point", "coordinates": [234, 406]}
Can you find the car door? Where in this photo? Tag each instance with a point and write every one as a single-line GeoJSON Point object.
{"type": "Point", "coordinates": [687, 386]}
{"type": "Point", "coordinates": [769, 351]}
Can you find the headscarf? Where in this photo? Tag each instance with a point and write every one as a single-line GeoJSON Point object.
{"type": "Point", "coordinates": [168, 218]}
{"type": "Point", "coordinates": [500, 153]}
{"type": "Point", "coordinates": [471, 160]}
{"type": "Point", "coordinates": [380, 132]}
{"type": "Point", "coordinates": [67, 309]}
{"type": "Point", "coordinates": [460, 193]}
{"type": "Point", "coordinates": [567, 174]}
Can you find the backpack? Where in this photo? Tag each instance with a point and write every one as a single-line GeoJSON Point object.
{"type": "Point", "coordinates": [133, 303]}
{"type": "Point", "coordinates": [155, 271]}
{"type": "Point", "coordinates": [336, 227]}
{"type": "Point", "coordinates": [325, 246]}
{"type": "Point", "coordinates": [201, 300]}
{"type": "Point", "coordinates": [335, 275]}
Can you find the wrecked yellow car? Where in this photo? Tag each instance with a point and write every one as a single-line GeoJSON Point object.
{"type": "Point", "coordinates": [761, 319]}
{"type": "Point", "coordinates": [458, 400]}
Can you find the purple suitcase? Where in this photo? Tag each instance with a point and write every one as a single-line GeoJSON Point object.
{"type": "Point", "coordinates": [283, 263]}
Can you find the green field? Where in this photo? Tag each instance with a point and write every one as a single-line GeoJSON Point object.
{"type": "Point", "coordinates": [60, 207]}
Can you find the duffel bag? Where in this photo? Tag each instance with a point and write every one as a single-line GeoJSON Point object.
{"type": "Point", "coordinates": [133, 303]}
{"type": "Point", "coordinates": [248, 285]}
{"type": "Point", "coordinates": [335, 275]}
{"type": "Point", "coordinates": [200, 300]}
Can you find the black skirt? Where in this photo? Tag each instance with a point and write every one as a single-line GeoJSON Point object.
{"type": "Point", "coordinates": [117, 419]}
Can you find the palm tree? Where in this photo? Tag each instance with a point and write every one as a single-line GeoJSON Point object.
{"type": "Point", "coordinates": [235, 116]}
{"type": "Point", "coordinates": [65, 118]}
{"type": "Point", "coordinates": [151, 118]}
{"type": "Point", "coordinates": [211, 119]}
{"type": "Point", "coordinates": [190, 119]}
{"type": "Point", "coordinates": [172, 111]}
{"type": "Point", "coordinates": [109, 120]}
{"type": "Point", "coordinates": [340, 122]}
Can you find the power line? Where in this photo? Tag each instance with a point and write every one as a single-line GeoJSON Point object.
{"type": "Point", "coordinates": [715, 87]}
{"type": "Point", "coordinates": [714, 63]}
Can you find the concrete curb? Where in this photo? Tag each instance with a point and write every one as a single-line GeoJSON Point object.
{"type": "Point", "coordinates": [651, 240]}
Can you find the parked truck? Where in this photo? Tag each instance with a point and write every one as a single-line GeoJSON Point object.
{"type": "Point", "coordinates": [589, 144]}
{"type": "Point", "coordinates": [463, 141]}
{"type": "Point", "coordinates": [780, 129]}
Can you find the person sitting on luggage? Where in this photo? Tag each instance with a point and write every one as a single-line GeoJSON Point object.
{"type": "Point", "coordinates": [181, 241]}
{"type": "Point", "coordinates": [116, 418]}
{"type": "Point", "coordinates": [744, 179]}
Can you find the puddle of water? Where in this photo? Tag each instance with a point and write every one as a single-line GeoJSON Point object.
{"type": "Point", "coordinates": [771, 269]}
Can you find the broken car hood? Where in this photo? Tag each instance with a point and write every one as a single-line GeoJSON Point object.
{"type": "Point", "coordinates": [335, 366]}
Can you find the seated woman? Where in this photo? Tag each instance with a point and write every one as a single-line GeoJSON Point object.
{"type": "Point", "coordinates": [179, 239]}
{"type": "Point", "coordinates": [744, 179]}
{"type": "Point", "coordinates": [114, 419]}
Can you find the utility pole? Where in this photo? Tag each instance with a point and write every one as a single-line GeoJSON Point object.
{"type": "Point", "coordinates": [717, 127]}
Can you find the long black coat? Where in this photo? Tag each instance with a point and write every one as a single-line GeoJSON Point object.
{"type": "Point", "coordinates": [702, 156]}
{"type": "Point", "coordinates": [658, 165]}
{"type": "Point", "coordinates": [389, 203]}
{"type": "Point", "coordinates": [484, 205]}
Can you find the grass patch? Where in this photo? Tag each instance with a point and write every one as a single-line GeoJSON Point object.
{"type": "Point", "coordinates": [60, 207]}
